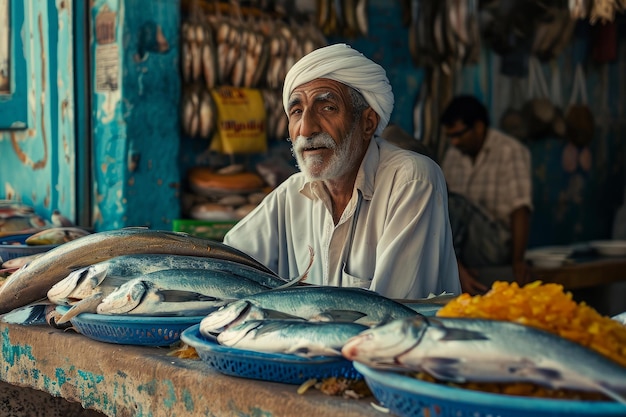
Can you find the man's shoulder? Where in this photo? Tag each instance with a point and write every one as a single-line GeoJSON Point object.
{"type": "Point", "coordinates": [393, 158]}
{"type": "Point", "coordinates": [505, 146]}
{"type": "Point", "coordinates": [504, 140]}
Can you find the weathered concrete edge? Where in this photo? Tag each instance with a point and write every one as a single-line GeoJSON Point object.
{"type": "Point", "coordinates": [133, 381]}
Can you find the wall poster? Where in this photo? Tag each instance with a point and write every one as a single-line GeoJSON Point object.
{"type": "Point", "coordinates": [5, 48]}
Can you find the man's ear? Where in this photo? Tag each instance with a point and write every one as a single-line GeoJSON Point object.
{"type": "Point", "coordinates": [480, 128]}
{"type": "Point", "coordinates": [370, 120]}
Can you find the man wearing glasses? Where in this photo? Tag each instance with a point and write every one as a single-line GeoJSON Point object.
{"type": "Point", "coordinates": [490, 193]}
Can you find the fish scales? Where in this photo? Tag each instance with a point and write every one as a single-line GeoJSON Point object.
{"type": "Point", "coordinates": [142, 263]}
{"type": "Point", "coordinates": [298, 337]}
{"type": "Point", "coordinates": [32, 282]}
{"type": "Point", "coordinates": [177, 292]}
{"type": "Point", "coordinates": [103, 277]}
{"type": "Point", "coordinates": [310, 301]}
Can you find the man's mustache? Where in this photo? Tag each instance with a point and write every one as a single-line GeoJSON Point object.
{"type": "Point", "coordinates": [322, 140]}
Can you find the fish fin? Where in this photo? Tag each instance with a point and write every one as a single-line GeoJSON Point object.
{"type": "Point", "coordinates": [29, 315]}
{"type": "Point", "coordinates": [461, 334]}
{"type": "Point", "coordinates": [275, 314]}
{"type": "Point", "coordinates": [446, 369]}
{"type": "Point", "coordinates": [338, 315]}
{"type": "Point", "coordinates": [387, 319]}
{"type": "Point", "coordinates": [302, 277]}
{"type": "Point", "coordinates": [177, 296]}
{"type": "Point", "coordinates": [86, 305]}
{"type": "Point", "coordinates": [609, 392]}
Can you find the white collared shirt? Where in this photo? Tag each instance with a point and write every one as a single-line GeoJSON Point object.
{"type": "Point", "coordinates": [402, 243]}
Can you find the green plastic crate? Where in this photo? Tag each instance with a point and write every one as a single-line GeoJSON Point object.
{"type": "Point", "coordinates": [214, 230]}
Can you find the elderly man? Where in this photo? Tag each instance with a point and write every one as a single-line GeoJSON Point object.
{"type": "Point", "coordinates": [376, 216]}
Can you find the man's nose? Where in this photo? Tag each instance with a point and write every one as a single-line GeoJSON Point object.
{"type": "Point", "coordinates": [309, 125]}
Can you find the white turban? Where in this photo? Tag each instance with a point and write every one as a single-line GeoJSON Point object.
{"type": "Point", "coordinates": [342, 63]}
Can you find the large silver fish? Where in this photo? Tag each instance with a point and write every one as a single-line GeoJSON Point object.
{"type": "Point", "coordinates": [85, 288]}
{"type": "Point", "coordinates": [98, 277]}
{"type": "Point", "coordinates": [32, 282]}
{"type": "Point", "coordinates": [461, 349]}
{"type": "Point", "coordinates": [299, 337]}
{"type": "Point", "coordinates": [180, 292]}
{"type": "Point", "coordinates": [325, 303]}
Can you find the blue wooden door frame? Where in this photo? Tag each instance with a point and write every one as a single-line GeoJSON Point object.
{"type": "Point", "coordinates": [13, 106]}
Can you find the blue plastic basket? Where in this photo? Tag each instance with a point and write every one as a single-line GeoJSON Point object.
{"type": "Point", "coordinates": [275, 367]}
{"type": "Point", "coordinates": [410, 397]}
{"type": "Point", "coordinates": [14, 247]}
{"type": "Point", "coordinates": [131, 330]}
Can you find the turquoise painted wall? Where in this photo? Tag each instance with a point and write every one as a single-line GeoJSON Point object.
{"type": "Point", "coordinates": [135, 116]}
{"type": "Point", "coordinates": [37, 163]}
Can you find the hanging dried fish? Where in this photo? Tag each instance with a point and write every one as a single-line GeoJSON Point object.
{"type": "Point", "coordinates": [361, 17]}
{"type": "Point", "coordinates": [323, 12]}
{"type": "Point", "coordinates": [195, 50]}
{"type": "Point", "coordinates": [603, 11]}
{"type": "Point", "coordinates": [206, 115]}
{"type": "Point", "coordinates": [239, 66]}
{"type": "Point", "coordinates": [222, 31]}
{"type": "Point", "coordinates": [186, 61]}
{"type": "Point", "coordinates": [579, 9]}
{"type": "Point", "coordinates": [209, 58]}
{"type": "Point", "coordinates": [190, 104]}
{"type": "Point", "coordinates": [472, 54]}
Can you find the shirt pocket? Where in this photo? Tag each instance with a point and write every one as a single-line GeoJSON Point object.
{"type": "Point", "coordinates": [348, 280]}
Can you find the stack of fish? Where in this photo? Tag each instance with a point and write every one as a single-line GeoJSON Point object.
{"type": "Point", "coordinates": [188, 281]}
{"type": "Point", "coordinates": [24, 234]}
{"type": "Point", "coordinates": [158, 285]}
{"type": "Point", "coordinates": [39, 243]}
{"type": "Point", "coordinates": [304, 320]}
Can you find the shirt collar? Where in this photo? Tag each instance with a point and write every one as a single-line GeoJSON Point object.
{"type": "Point", "coordinates": [365, 178]}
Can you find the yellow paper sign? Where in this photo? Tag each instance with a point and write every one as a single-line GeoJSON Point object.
{"type": "Point", "coordinates": [240, 121]}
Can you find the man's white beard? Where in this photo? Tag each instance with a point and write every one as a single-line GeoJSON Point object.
{"type": "Point", "coordinates": [315, 167]}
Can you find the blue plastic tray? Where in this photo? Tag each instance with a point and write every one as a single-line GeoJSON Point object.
{"type": "Point", "coordinates": [406, 396]}
{"type": "Point", "coordinates": [275, 367]}
{"type": "Point", "coordinates": [14, 246]}
{"type": "Point", "coordinates": [131, 330]}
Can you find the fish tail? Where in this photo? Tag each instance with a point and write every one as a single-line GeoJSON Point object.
{"type": "Point", "coordinates": [302, 277]}
{"type": "Point", "coordinates": [86, 305]}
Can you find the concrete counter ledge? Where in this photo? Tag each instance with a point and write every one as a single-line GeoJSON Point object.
{"type": "Point", "coordinates": [136, 381]}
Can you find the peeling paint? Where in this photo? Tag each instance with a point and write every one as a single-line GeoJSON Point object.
{"type": "Point", "coordinates": [188, 400]}
{"type": "Point", "coordinates": [11, 353]}
{"type": "Point", "coordinates": [169, 400]}
{"type": "Point", "coordinates": [150, 388]}
{"type": "Point", "coordinates": [32, 160]}
{"type": "Point", "coordinates": [61, 376]}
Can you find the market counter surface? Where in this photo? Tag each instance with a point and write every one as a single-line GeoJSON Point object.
{"type": "Point", "coordinates": [136, 381]}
